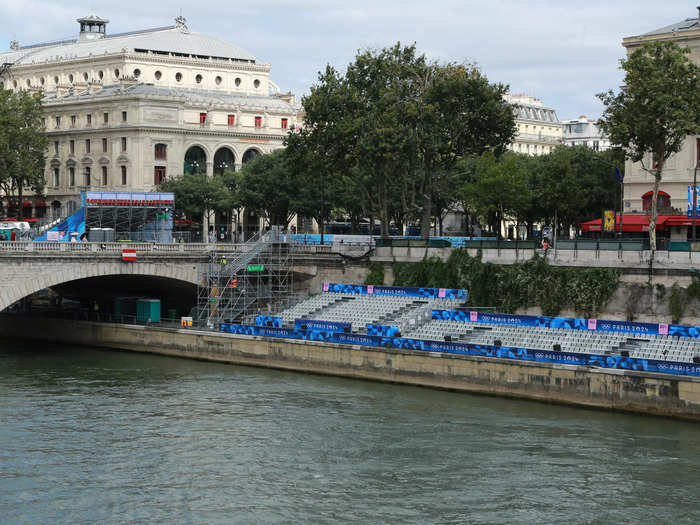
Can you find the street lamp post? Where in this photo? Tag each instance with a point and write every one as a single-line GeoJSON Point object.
{"type": "Point", "coordinates": [695, 196]}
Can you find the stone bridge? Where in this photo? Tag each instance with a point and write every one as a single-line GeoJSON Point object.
{"type": "Point", "coordinates": [95, 268]}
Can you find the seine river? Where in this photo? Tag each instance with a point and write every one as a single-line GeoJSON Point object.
{"type": "Point", "coordinates": [91, 436]}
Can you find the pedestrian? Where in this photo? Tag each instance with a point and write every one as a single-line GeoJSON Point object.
{"type": "Point", "coordinates": [545, 244]}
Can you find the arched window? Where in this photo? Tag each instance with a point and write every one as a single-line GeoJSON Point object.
{"type": "Point", "coordinates": [224, 159]}
{"type": "Point", "coordinates": [250, 155]}
{"type": "Point", "coordinates": [664, 201]}
{"type": "Point", "coordinates": [195, 161]}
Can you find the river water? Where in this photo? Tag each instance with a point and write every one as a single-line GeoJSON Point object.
{"type": "Point", "coordinates": [89, 436]}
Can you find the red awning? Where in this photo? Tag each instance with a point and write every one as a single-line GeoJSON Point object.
{"type": "Point", "coordinates": [26, 204]}
{"type": "Point", "coordinates": [680, 220]}
{"type": "Point", "coordinates": [636, 223]}
{"type": "Point", "coordinates": [40, 204]}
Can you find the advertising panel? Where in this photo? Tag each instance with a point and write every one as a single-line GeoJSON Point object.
{"type": "Point", "coordinates": [503, 352]}
{"type": "Point", "coordinates": [609, 221]}
{"type": "Point", "coordinates": [403, 291]}
{"type": "Point", "coordinates": [317, 324]}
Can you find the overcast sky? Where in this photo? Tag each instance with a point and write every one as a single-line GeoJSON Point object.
{"type": "Point", "coordinates": [561, 51]}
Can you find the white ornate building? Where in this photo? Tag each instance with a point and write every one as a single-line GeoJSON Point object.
{"type": "Point", "coordinates": [583, 131]}
{"type": "Point", "coordinates": [126, 111]}
{"type": "Point", "coordinates": [538, 128]}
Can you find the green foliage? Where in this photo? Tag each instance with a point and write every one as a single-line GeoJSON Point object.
{"type": "Point", "coordinates": [693, 289]}
{"type": "Point", "coordinates": [677, 302]}
{"type": "Point", "coordinates": [390, 129]}
{"type": "Point", "coordinates": [196, 193]}
{"type": "Point", "coordinates": [655, 110]}
{"type": "Point", "coordinates": [573, 183]}
{"type": "Point", "coordinates": [376, 274]}
{"type": "Point", "coordinates": [510, 287]}
{"type": "Point", "coordinates": [499, 188]}
{"type": "Point", "coordinates": [23, 145]}
{"type": "Point", "coordinates": [268, 184]}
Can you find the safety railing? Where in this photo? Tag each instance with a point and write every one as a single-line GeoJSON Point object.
{"type": "Point", "coordinates": [43, 247]}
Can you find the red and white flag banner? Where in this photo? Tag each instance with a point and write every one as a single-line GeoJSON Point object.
{"type": "Point", "coordinates": [128, 254]}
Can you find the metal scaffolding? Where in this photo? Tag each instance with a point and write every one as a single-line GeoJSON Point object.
{"type": "Point", "coordinates": [252, 279]}
{"type": "Point", "coordinates": [132, 216]}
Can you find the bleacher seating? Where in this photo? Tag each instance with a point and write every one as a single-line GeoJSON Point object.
{"type": "Point", "coordinates": [361, 310]}
{"type": "Point", "coordinates": [412, 316]}
{"type": "Point", "coordinates": [659, 347]}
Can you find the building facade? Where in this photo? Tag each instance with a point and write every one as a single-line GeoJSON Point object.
{"type": "Point", "coordinates": [679, 169]}
{"type": "Point", "coordinates": [583, 131]}
{"type": "Point", "coordinates": [538, 128]}
{"type": "Point", "coordinates": [126, 111]}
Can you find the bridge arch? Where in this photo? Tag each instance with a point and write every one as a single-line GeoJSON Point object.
{"type": "Point", "coordinates": [40, 274]}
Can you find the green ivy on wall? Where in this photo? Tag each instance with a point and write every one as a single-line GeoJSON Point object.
{"type": "Point", "coordinates": [376, 274]}
{"type": "Point", "coordinates": [509, 287]}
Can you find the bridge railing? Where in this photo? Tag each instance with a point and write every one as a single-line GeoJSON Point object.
{"type": "Point", "coordinates": [43, 247]}
{"type": "Point", "coordinates": [109, 247]}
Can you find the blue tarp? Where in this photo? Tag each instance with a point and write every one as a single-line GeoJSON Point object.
{"type": "Point", "coordinates": [74, 223]}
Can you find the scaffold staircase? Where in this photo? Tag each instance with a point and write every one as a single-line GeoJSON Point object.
{"type": "Point", "coordinates": [228, 290]}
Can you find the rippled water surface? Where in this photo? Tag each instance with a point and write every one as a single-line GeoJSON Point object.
{"type": "Point", "coordinates": [94, 436]}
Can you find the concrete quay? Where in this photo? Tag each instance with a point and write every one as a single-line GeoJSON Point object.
{"type": "Point", "coordinates": [621, 390]}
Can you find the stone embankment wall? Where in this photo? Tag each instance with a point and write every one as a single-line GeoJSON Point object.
{"type": "Point", "coordinates": [623, 390]}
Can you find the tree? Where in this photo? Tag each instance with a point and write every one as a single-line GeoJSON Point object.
{"type": "Point", "coordinates": [396, 124]}
{"type": "Point", "coordinates": [22, 145]}
{"type": "Point", "coordinates": [268, 184]}
{"type": "Point", "coordinates": [315, 165]}
{"type": "Point", "coordinates": [459, 113]}
{"type": "Point", "coordinates": [196, 194]}
{"type": "Point", "coordinates": [498, 188]}
{"type": "Point", "coordinates": [232, 181]}
{"type": "Point", "coordinates": [657, 107]}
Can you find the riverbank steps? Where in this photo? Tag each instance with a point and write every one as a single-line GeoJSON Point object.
{"type": "Point", "coordinates": [621, 390]}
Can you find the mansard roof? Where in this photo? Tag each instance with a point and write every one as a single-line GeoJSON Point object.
{"type": "Point", "coordinates": [171, 39]}
{"type": "Point", "coordinates": [525, 111]}
{"type": "Point", "coordinates": [191, 96]}
{"type": "Point", "coordinates": [688, 24]}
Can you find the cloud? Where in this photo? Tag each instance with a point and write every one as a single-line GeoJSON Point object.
{"type": "Point", "coordinates": [562, 52]}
